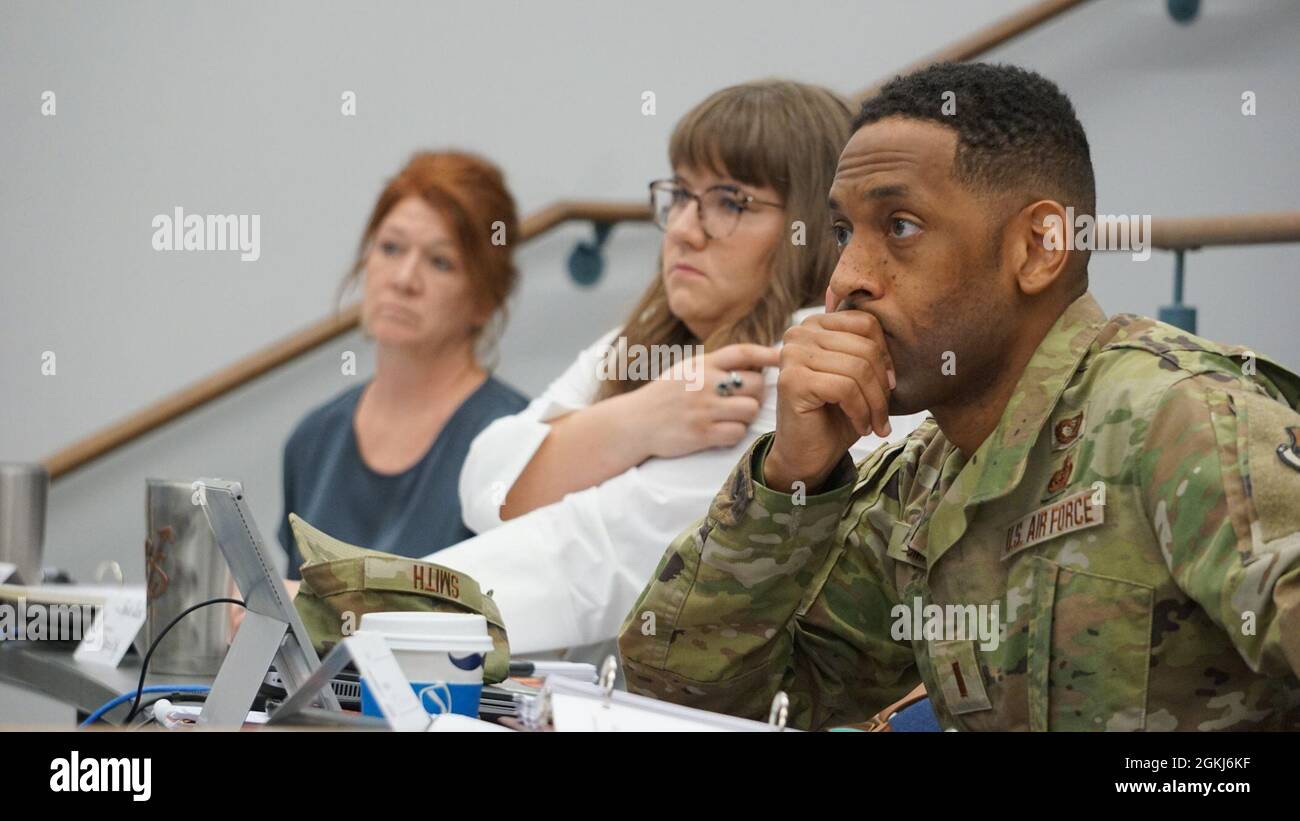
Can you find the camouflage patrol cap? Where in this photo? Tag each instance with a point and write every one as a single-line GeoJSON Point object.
{"type": "Point", "coordinates": [342, 582]}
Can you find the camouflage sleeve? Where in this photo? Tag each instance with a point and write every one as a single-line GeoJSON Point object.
{"type": "Point", "coordinates": [740, 608]}
{"type": "Point", "coordinates": [1220, 475]}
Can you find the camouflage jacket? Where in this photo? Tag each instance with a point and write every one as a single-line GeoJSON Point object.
{"type": "Point", "coordinates": [1129, 535]}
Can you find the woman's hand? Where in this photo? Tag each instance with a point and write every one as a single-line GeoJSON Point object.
{"type": "Point", "coordinates": [682, 412]}
{"type": "Point", "coordinates": [677, 414]}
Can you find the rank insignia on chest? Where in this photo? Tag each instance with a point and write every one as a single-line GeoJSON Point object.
{"type": "Point", "coordinates": [1066, 431]}
{"type": "Point", "coordinates": [1061, 478]}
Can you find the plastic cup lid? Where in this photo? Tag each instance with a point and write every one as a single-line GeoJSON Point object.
{"type": "Point", "coordinates": [464, 632]}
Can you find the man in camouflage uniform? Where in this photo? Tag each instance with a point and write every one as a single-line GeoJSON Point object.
{"type": "Point", "coordinates": [1119, 499]}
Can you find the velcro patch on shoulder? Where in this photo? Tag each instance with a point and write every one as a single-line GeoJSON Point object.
{"type": "Point", "coordinates": [1269, 437]}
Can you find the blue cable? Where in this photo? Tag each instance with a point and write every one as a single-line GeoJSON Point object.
{"type": "Point", "coordinates": [153, 688]}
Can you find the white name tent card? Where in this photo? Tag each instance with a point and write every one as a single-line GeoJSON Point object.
{"type": "Point", "coordinates": [390, 688]}
{"type": "Point", "coordinates": [378, 666]}
{"type": "Point", "coordinates": [114, 629]}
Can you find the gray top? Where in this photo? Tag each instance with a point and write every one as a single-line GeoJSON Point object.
{"type": "Point", "coordinates": [412, 513]}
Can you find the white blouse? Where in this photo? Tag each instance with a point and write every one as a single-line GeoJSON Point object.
{"type": "Point", "coordinates": [567, 574]}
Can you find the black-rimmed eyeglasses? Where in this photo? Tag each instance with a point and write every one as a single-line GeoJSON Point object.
{"type": "Point", "coordinates": [720, 207]}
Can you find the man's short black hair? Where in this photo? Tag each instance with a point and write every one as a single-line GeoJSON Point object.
{"type": "Point", "coordinates": [1015, 128]}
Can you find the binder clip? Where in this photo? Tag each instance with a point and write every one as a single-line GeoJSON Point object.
{"type": "Point", "coordinates": [780, 711]}
{"type": "Point", "coordinates": [608, 673]}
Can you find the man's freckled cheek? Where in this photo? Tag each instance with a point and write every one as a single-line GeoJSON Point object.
{"type": "Point", "coordinates": [886, 273]}
{"type": "Point", "coordinates": [926, 317]}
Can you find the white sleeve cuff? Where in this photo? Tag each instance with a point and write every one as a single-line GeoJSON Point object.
{"type": "Point", "coordinates": [496, 458]}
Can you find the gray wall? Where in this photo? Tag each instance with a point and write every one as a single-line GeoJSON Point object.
{"type": "Point", "coordinates": [234, 108]}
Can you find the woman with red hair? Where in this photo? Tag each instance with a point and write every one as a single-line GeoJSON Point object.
{"type": "Point", "coordinates": [378, 464]}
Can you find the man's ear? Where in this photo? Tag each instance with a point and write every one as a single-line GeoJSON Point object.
{"type": "Point", "coordinates": [1038, 241]}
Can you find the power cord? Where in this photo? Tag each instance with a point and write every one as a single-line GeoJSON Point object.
{"type": "Point", "coordinates": [144, 666]}
{"type": "Point", "coordinates": [146, 717]}
{"type": "Point", "coordinates": [125, 697]}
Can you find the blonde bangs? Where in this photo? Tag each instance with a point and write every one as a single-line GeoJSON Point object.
{"type": "Point", "coordinates": [739, 135]}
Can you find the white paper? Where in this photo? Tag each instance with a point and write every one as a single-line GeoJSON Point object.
{"type": "Point", "coordinates": [173, 715]}
{"type": "Point", "coordinates": [580, 707]}
{"type": "Point", "coordinates": [575, 714]}
{"type": "Point", "coordinates": [389, 687]}
{"type": "Point", "coordinates": [456, 723]}
{"type": "Point", "coordinates": [113, 630]}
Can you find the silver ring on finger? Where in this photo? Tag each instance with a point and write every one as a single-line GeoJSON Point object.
{"type": "Point", "coordinates": [727, 387]}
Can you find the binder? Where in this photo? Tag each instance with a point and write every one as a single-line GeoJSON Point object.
{"type": "Point", "coordinates": [579, 706]}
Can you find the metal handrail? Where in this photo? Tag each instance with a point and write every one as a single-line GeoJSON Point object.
{"type": "Point", "coordinates": [1182, 233]}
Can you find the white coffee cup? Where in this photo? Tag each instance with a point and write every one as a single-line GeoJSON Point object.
{"type": "Point", "coordinates": [441, 654]}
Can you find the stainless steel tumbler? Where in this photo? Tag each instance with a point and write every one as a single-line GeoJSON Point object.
{"type": "Point", "coordinates": [183, 566]}
{"type": "Point", "coordinates": [23, 492]}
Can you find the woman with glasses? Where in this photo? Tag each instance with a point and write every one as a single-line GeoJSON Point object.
{"type": "Point", "coordinates": [576, 498]}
